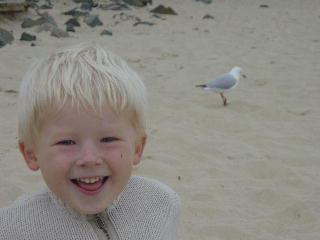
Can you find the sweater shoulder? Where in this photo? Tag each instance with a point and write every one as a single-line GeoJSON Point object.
{"type": "Point", "coordinates": [143, 192]}
{"type": "Point", "coordinates": [25, 202]}
{"type": "Point", "coordinates": [144, 209]}
{"type": "Point", "coordinates": [14, 216]}
{"type": "Point", "coordinates": [40, 216]}
{"type": "Point", "coordinates": [151, 188]}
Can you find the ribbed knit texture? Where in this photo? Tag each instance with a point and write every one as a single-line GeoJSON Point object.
{"type": "Point", "coordinates": [145, 210]}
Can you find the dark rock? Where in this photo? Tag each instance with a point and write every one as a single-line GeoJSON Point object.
{"type": "Point", "coordinates": [76, 13]}
{"type": "Point", "coordinates": [32, 45]}
{"type": "Point", "coordinates": [73, 21]}
{"type": "Point", "coordinates": [159, 17]}
{"type": "Point", "coordinates": [50, 19]}
{"type": "Point", "coordinates": [28, 22]}
{"type": "Point", "coordinates": [93, 20]}
{"type": "Point", "coordinates": [164, 10]}
{"type": "Point", "coordinates": [46, 6]}
{"type": "Point", "coordinates": [106, 32]}
{"type": "Point", "coordinates": [58, 33]}
{"type": "Point", "coordinates": [27, 37]}
{"type": "Point", "coordinates": [204, 1]}
{"type": "Point", "coordinates": [86, 6]}
{"type": "Point", "coordinates": [115, 6]}
{"type": "Point", "coordinates": [143, 23]}
{"type": "Point", "coordinates": [208, 16]}
{"type": "Point", "coordinates": [264, 6]}
{"type": "Point", "coordinates": [138, 3]}
{"type": "Point", "coordinates": [70, 28]}
{"type": "Point", "coordinates": [11, 91]}
{"type": "Point", "coordinates": [82, 1]}
{"type": "Point", "coordinates": [5, 37]}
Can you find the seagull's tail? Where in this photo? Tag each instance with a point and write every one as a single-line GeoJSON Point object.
{"type": "Point", "coordinates": [201, 85]}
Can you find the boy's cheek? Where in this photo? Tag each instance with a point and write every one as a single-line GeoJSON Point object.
{"type": "Point", "coordinates": [119, 159]}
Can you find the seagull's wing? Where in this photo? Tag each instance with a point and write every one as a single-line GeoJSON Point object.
{"type": "Point", "coordinates": [224, 82]}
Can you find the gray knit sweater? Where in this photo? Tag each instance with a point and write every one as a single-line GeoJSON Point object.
{"type": "Point", "coordinates": [146, 209]}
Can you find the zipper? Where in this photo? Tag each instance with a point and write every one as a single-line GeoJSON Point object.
{"type": "Point", "coordinates": [101, 225]}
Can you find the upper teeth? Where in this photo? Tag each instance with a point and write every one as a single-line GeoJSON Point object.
{"type": "Point", "coordinates": [89, 180]}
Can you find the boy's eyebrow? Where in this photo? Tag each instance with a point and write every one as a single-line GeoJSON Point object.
{"type": "Point", "coordinates": [61, 133]}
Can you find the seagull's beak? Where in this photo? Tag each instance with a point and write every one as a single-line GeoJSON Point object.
{"type": "Point", "coordinates": [243, 75]}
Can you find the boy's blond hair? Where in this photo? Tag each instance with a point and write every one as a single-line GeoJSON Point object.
{"type": "Point", "coordinates": [89, 77]}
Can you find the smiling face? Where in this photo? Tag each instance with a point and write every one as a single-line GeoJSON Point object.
{"type": "Point", "coordinates": [84, 159]}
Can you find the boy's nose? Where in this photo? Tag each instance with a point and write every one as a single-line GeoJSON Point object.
{"type": "Point", "coordinates": [89, 157]}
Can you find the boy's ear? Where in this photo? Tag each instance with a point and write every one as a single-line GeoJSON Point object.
{"type": "Point", "coordinates": [29, 157]}
{"type": "Point", "coordinates": [139, 149]}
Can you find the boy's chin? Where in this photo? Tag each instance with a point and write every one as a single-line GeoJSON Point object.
{"type": "Point", "coordinates": [92, 206]}
{"type": "Point", "coordinates": [89, 210]}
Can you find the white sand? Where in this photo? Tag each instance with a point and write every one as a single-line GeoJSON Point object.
{"type": "Point", "coordinates": [247, 171]}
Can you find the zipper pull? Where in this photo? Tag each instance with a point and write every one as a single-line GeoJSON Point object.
{"type": "Point", "coordinates": [101, 225]}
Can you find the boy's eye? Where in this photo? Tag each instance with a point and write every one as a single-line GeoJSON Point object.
{"type": "Point", "coordinates": [108, 139]}
{"type": "Point", "coordinates": [66, 142]}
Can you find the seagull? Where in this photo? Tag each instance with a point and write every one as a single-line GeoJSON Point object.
{"type": "Point", "coordinates": [224, 82]}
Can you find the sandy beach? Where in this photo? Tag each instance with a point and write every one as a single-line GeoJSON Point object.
{"type": "Point", "coordinates": [247, 171]}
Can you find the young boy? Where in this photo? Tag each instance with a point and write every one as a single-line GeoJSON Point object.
{"type": "Point", "coordinates": [82, 124]}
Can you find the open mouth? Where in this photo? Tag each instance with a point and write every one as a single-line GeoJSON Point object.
{"type": "Point", "coordinates": [90, 185]}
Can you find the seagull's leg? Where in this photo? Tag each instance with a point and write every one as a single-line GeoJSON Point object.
{"type": "Point", "coordinates": [225, 103]}
{"type": "Point", "coordinates": [224, 99]}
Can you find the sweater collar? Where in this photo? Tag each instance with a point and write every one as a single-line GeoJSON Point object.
{"type": "Point", "coordinates": [66, 209]}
